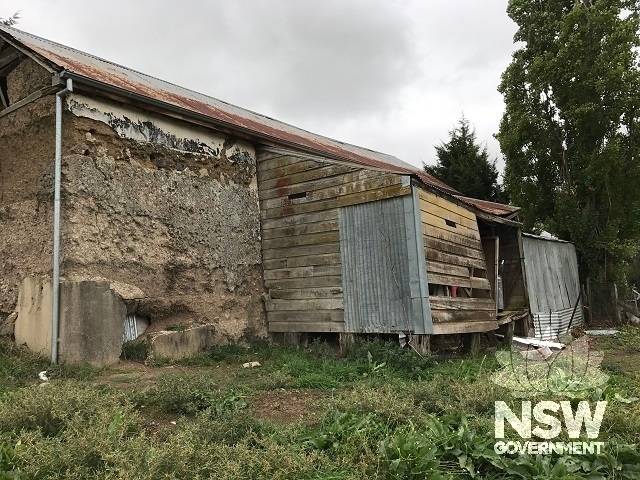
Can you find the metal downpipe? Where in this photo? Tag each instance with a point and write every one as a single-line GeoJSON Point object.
{"type": "Point", "coordinates": [55, 318]}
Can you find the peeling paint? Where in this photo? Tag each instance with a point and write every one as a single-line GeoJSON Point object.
{"type": "Point", "coordinates": [135, 124]}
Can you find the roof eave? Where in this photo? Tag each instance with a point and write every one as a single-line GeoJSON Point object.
{"type": "Point", "coordinates": [198, 117]}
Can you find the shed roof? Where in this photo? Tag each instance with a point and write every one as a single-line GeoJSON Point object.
{"type": "Point", "coordinates": [89, 66]}
{"type": "Point", "coordinates": [488, 207]}
{"type": "Point", "coordinates": [103, 73]}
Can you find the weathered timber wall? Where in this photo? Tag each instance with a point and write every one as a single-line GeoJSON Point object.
{"type": "Point", "coordinates": [300, 200]}
{"type": "Point", "coordinates": [455, 258]}
{"type": "Point", "coordinates": [167, 212]}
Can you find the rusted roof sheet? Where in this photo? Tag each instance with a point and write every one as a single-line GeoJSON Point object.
{"type": "Point", "coordinates": [488, 207]}
{"type": "Point", "coordinates": [105, 72]}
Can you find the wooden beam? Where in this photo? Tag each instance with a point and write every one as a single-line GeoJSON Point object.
{"type": "Point", "coordinates": [270, 253]}
{"type": "Point", "coordinates": [466, 282]}
{"type": "Point", "coordinates": [308, 282]}
{"type": "Point", "coordinates": [7, 59]}
{"type": "Point", "coordinates": [303, 261]}
{"type": "Point", "coordinates": [447, 258]}
{"type": "Point", "coordinates": [446, 247]}
{"type": "Point", "coordinates": [466, 327]}
{"type": "Point", "coordinates": [302, 272]}
{"type": "Point", "coordinates": [28, 99]}
{"type": "Point", "coordinates": [304, 218]}
{"type": "Point", "coordinates": [346, 341]}
{"type": "Point", "coordinates": [301, 172]}
{"type": "Point", "coordinates": [315, 327]}
{"type": "Point", "coordinates": [451, 303]}
{"type": "Point", "coordinates": [457, 316]}
{"type": "Point", "coordinates": [303, 293]}
{"type": "Point", "coordinates": [299, 240]}
{"type": "Point", "coordinates": [473, 342]}
{"type": "Point", "coordinates": [314, 304]}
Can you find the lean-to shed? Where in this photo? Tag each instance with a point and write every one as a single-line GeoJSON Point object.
{"type": "Point", "coordinates": [369, 250]}
{"type": "Point", "coordinates": [553, 285]}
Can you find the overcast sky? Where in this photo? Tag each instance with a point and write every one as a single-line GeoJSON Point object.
{"type": "Point", "coordinates": [390, 75]}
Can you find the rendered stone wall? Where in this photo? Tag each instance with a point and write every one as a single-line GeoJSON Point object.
{"type": "Point", "coordinates": [26, 198]}
{"type": "Point", "coordinates": [170, 212]}
{"type": "Point", "coordinates": [163, 211]}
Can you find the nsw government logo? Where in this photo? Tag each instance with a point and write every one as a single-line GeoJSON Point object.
{"type": "Point", "coordinates": [555, 407]}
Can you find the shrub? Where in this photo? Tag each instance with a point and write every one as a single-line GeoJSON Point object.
{"type": "Point", "coordinates": [136, 350]}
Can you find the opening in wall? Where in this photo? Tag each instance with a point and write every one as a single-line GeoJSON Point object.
{"type": "Point", "coordinates": [293, 196]}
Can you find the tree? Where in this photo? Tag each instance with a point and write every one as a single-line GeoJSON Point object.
{"type": "Point", "coordinates": [464, 165]}
{"type": "Point", "coordinates": [569, 132]}
{"type": "Point", "coordinates": [11, 21]}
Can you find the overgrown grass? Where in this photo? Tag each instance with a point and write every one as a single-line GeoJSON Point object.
{"type": "Point", "coordinates": [385, 413]}
{"type": "Point", "coordinates": [19, 367]}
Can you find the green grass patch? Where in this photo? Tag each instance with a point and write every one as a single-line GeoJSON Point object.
{"type": "Point", "coordinates": [382, 413]}
{"type": "Point", "coordinates": [19, 367]}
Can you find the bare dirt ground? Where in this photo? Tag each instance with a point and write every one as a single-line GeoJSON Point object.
{"type": "Point", "coordinates": [280, 406]}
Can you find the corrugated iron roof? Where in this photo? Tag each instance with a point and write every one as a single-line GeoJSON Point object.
{"type": "Point", "coordinates": [99, 70]}
{"type": "Point", "coordinates": [489, 207]}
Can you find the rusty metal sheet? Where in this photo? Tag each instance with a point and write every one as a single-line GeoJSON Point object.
{"type": "Point", "coordinates": [488, 207]}
{"type": "Point", "coordinates": [99, 70]}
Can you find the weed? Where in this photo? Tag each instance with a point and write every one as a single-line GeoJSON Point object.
{"type": "Point", "coordinates": [374, 369]}
{"type": "Point", "coordinates": [391, 415]}
{"type": "Point", "coordinates": [317, 380]}
{"type": "Point", "coordinates": [627, 338]}
{"type": "Point", "coordinates": [19, 367]}
{"type": "Point", "coordinates": [9, 447]}
{"type": "Point", "coordinates": [136, 350]}
{"type": "Point", "coordinates": [217, 405]}
{"type": "Point", "coordinates": [229, 353]}
{"type": "Point", "coordinates": [404, 363]}
{"type": "Point", "coordinates": [179, 393]}
{"type": "Point", "coordinates": [341, 427]}
{"type": "Point", "coordinates": [178, 327]}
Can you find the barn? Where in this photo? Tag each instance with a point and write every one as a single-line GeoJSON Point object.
{"type": "Point", "coordinates": [127, 200]}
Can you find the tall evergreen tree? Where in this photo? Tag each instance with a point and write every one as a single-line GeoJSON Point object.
{"type": "Point", "coordinates": [464, 164]}
{"type": "Point", "coordinates": [569, 133]}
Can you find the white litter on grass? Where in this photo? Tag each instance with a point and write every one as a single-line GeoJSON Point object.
{"type": "Point", "coordinates": [601, 332]}
{"type": "Point", "coordinates": [43, 376]}
{"type": "Point", "coordinates": [251, 365]}
{"type": "Point", "coordinates": [536, 342]}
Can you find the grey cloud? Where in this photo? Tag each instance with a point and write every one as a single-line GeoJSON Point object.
{"type": "Point", "coordinates": [392, 75]}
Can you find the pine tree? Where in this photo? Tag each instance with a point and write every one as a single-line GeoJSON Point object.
{"type": "Point", "coordinates": [464, 165]}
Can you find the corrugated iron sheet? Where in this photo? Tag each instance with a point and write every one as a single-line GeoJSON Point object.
{"type": "Point", "coordinates": [130, 328]}
{"type": "Point", "coordinates": [553, 284]}
{"type": "Point", "coordinates": [492, 208]}
{"type": "Point", "coordinates": [551, 269]}
{"type": "Point", "coordinates": [375, 270]}
{"type": "Point", "coordinates": [91, 67]}
{"type": "Point", "coordinates": [549, 326]}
